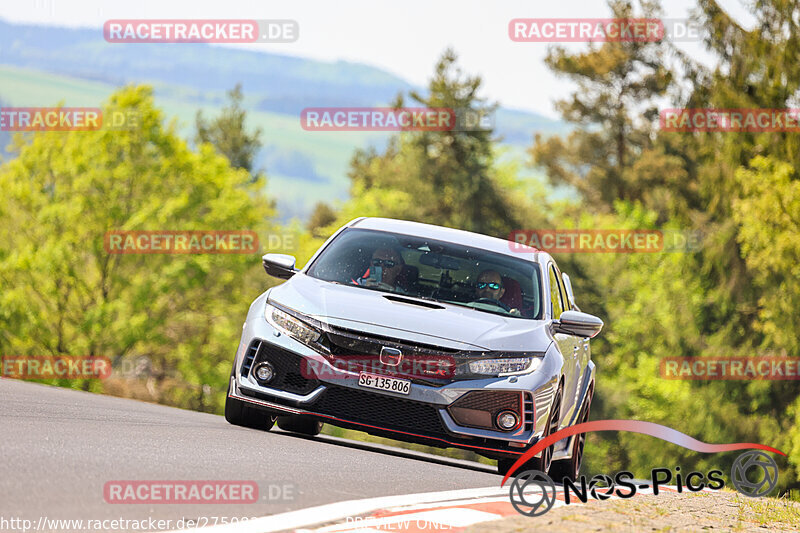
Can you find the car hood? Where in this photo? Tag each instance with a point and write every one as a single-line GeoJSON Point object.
{"type": "Point", "coordinates": [370, 311]}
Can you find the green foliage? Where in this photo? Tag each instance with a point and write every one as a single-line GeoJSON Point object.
{"type": "Point", "coordinates": [739, 295]}
{"type": "Point", "coordinates": [62, 291]}
{"type": "Point", "coordinates": [448, 178]}
{"type": "Point", "coordinates": [768, 218]}
{"type": "Point", "coordinates": [227, 133]}
{"type": "Point", "coordinates": [322, 215]}
{"type": "Point", "coordinates": [614, 106]}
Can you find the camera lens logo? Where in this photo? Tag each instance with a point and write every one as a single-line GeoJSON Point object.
{"type": "Point", "coordinates": [539, 487]}
{"type": "Point", "coordinates": [607, 483]}
{"type": "Point", "coordinates": [766, 475]}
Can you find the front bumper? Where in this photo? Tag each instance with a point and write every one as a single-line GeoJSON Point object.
{"type": "Point", "coordinates": [421, 416]}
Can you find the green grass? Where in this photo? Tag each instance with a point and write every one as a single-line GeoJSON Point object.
{"type": "Point", "coordinates": [328, 152]}
{"type": "Point", "coordinates": [769, 511]}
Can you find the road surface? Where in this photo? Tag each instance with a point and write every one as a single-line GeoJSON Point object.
{"type": "Point", "coordinates": [60, 447]}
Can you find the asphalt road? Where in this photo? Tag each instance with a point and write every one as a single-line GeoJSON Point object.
{"type": "Point", "coordinates": [59, 447]}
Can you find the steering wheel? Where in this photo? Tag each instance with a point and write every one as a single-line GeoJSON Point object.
{"type": "Point", "coordinates": [492, 301]}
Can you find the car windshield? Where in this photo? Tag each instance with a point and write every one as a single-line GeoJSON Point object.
{"type": "Point", "coordinates": [433, 270]}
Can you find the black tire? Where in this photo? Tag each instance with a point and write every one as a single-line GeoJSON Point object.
{"type": "Point", "coordinates": [239, 413]}
{"type": "Point", "coordinates": [543, 462]}
{"type": "Point", "coordinates": [300, 424]}
{"type": "Point", "coordinates": [570, 468]}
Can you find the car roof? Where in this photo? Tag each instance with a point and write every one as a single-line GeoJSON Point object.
{"type": "Point", "coordinates": [441, 233]}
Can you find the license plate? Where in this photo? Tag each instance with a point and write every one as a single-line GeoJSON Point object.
{"type": "Point", "coordinates": [374, 381]}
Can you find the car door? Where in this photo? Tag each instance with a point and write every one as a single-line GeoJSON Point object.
{"type": "Point", "coordinates": [569, 345]}
{"type": "Point", "coordinates": [584, 350]}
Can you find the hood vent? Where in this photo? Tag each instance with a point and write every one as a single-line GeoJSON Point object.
{"type": "Point", "coordinates": [429, 305]}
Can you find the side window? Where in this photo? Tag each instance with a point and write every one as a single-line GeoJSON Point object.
{"type": "Point", "coordinates": [564, 297]}
{"type": "Point", "coordinates": [555, 293]}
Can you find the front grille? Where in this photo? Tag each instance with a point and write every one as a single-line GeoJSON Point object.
{"type": "Point", "coordinates": [348, 336]}
{"type": "Point", "coordinates": [421, 363]}
{"type": "Point", "coordinates": [296, 382]}
{"type": "Point", "coordinates": [492, 401]}
{"type": "Point", "coordinates": [379, 410]}
{"type": "Point", "coordinates": [288, 374]}
{"type": "Point", "coordinates": [480, 408]}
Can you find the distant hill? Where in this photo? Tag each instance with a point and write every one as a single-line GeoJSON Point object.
{"type": "Point", "coordinates": [43, 65]}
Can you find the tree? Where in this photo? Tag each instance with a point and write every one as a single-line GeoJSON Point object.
{"type": "Point", "coordinates": [65, 295]}
{"type": "Point", "coordinates": [615, 110]}
{"type": "Point", "coordinates": [322, 215]}
{"type": "Point", "coordinates": [449, 177]}
{"type": "Point", "coordinates": [227, 133]}
{"type": "Point", "coordinates": [767, 213]}
{"type": "Point", "coordinates": [5, 139]}
{"type": "Point", "coordinates": [738, 296]}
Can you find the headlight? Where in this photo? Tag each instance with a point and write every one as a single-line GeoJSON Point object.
{"type": "Point", "coordinates": [291, 325]}
{"type": "Point", "coordinates": [504, 366]}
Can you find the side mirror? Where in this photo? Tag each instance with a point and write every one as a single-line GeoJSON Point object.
{"type": "Point", "coordinates": [577, 323]}
{"type": "Point", "coordinates": [570, 294]}
{"type": "Point", "coordinates": [279, 265]}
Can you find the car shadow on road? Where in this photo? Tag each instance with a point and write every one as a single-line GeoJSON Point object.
{"type": "Point", "coordinates": [388, 450]}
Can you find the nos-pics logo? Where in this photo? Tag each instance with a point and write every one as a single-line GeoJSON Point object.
{"type": "Point", "coordinates": [533, 493]}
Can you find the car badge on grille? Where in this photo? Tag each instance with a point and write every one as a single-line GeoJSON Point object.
{"type": "Point", "coordinates": [390, 356]}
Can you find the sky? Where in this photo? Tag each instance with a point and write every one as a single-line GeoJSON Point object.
{"type": "Point", "coordinates": [405, 38]}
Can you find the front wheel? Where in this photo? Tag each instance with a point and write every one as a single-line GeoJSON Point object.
{"type": "Point", "coordinates": [300, 424]}
{"type": "Point", "coordinates": [541, 463]}
{"type": "Point", "coordinates": [570, 468]}
{"type": "Point", "coordinates": [239, 413]}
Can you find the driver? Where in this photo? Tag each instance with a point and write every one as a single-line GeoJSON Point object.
{"type": "Point", "coordinates": [388, 262]}
{"type": "Point", "coordinates": [490, 287]}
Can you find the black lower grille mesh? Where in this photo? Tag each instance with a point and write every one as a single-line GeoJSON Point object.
{"type": "Point", "coordinates": [379, 410]}
{"type": "Point", "coordinates": [288, 374]}
{"type": "Point", "coordinates": [492, 401]}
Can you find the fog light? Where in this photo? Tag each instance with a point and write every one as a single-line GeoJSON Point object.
{"type": "Point", "coordinates": [507, 420]}
{"type": "Point", "coordinates": [264, 372]}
